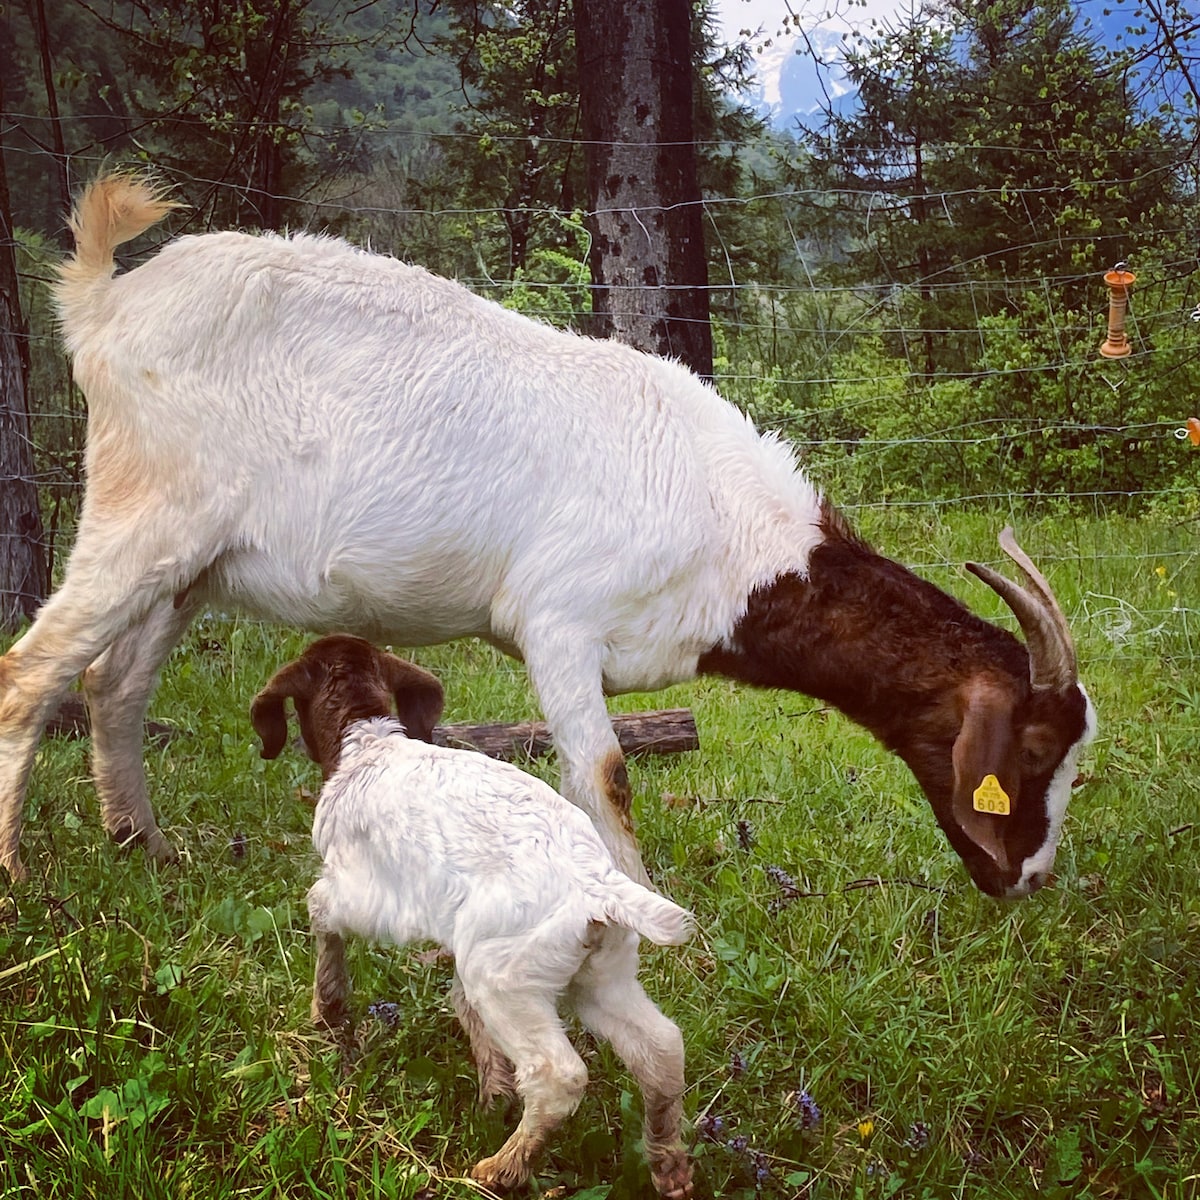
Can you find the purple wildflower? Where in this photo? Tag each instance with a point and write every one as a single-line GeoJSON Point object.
{"type": "Point", "coordinates": [738, 1143]}
{"type": "Point", "coordinates": [762, 1169]}
{"type": "Point", "coordinates": [789, 890]}
{"type": "Point", "coordinates": [385, 1011]}
{"type": "Point", "coordinates": [810, 1114]}
{"type": "Point", "coordinates": [711, 1128]}
{"type": "Point", "coordinates": [918, 1136]}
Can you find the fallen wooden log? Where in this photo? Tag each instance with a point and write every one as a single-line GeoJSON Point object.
{"type": "Point", "coordinates": [663, 731]}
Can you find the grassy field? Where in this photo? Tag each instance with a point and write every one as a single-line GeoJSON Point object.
{"type": "Point", "coordinates": [859, 1021]}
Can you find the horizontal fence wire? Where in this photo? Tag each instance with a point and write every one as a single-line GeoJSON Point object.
{"type": "Point", "coordinates": [824, 319]}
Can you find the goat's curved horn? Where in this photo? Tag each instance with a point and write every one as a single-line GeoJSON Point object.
{"type": "Point", "coordinates": [1051, 649]}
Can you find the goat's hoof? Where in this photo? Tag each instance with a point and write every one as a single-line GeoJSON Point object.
{"type": "Point", "coordinates": [153, 844]}
{"type": "Point", "coordinates": [500, 1173]}
{"type": "Point", "coordinates": [332, 1019]}
{"type": "Point", "coordinates": [159, 850]}
{"type": "Point", "coordinates": [672, 1176]}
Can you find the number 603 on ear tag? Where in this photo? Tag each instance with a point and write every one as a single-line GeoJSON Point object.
{"type": "Point", "coordinates": [990, 797]}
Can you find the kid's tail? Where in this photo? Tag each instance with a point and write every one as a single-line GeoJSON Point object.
{"type": "Point", "coordinates": [635, 907]}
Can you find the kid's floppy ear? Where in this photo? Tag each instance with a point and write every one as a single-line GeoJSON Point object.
{"type": "Point", "coordinates": [267, 713]}
{"type": "Point", "coordinates": [418, 694]}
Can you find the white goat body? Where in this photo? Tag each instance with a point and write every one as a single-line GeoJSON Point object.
{"type": "Point", "coordinates": [450, 467]}
{"type": "Point", "coordinates": [420, 842]}
{"type": "Point", "coordinates": [435, 843]}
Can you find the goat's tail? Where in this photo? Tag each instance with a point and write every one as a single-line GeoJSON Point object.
{"type": "Point", "coordinates": [113, 209]}
{"type": "Point", "coordinates": [656, 918]}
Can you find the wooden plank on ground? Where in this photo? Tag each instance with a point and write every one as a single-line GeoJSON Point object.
{"type": "Point", "coordinates": [662, 731]}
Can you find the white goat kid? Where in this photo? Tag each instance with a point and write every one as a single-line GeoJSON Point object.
{"type": "Point", "coordinates": [420, 842]}
{"type": "Point", "coordinates": [336, 440]}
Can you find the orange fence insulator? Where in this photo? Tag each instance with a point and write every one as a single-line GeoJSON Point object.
{"type": "Point", "coordinates": [1120, 284]}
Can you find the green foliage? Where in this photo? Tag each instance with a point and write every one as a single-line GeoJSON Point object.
{"type": "Point", "coordinates": [553, 285]}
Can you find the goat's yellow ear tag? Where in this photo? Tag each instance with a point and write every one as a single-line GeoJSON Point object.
{"type": "Point", "coordinates": [990, 797]}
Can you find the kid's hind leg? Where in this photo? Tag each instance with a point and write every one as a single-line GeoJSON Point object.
{"type": "Point", "coordinates": [493, 1068]}
{"type": "Point", "coordinates": [611, 1002]}
{"type": "Point", "coordinates": [550, 1077]}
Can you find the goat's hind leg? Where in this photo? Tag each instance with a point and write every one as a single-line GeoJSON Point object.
{"type": "Point", "coordinates": [117, 687]}
{"type": "Point", "coordinates": [119, 571]}
{"type": "Point", "coordinates": [73, 628]}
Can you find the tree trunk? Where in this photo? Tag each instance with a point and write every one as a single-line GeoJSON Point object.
{"type": "Point", "coordinates": [647, 260]}
{"type": "Point", "coordinates": [23, 582]}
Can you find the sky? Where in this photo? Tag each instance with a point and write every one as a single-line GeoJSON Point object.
{"type": "Point", "coordinates": [791, 83]}
{"type": "Point", "coordinates": [838, 16]}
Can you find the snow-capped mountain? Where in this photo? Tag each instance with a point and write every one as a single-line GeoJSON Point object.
{"type": "Point", "coordinates": [798, 75]}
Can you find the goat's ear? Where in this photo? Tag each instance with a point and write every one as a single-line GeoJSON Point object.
{"type": "Point", "coordinates": [983, 751]}
{"type": "Point", "coordinates": [267, 713]}
{"type": "Point", "coordinates": [419, 696]}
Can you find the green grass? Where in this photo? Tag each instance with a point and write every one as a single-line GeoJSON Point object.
{"type": "Point", "coordinates": [153, 1023]}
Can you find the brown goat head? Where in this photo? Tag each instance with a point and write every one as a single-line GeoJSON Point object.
{"type": "Point", "coordinates": [990, 728]}
{"type": "Point", "coordinates": [340, 679]}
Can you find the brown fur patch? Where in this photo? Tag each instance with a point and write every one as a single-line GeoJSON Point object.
{"type": "Point", "coordinates": [614, 780]}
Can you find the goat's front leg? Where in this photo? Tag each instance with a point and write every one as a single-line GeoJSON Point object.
{"type": "Point", "coordinates": [331, 984]}
{"type": "Point", "coordinates": [567, 677]}
{"type": "Point", "coordinates": [117, 687]}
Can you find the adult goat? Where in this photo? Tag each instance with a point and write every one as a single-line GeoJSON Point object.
{"type": "Point", "coordinates": [333, 439]}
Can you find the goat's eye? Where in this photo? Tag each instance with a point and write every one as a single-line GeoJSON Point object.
{"type": "Point", "coordinates": [1039, 750]}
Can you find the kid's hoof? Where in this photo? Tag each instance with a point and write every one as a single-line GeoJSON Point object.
{"type": "Point", "coordinates": [672, 1176]}
{"type": "Point", "coordinates": [501, 1173]}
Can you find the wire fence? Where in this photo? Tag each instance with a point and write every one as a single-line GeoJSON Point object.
{"type": "Point", "coordinates": [826, 398]}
